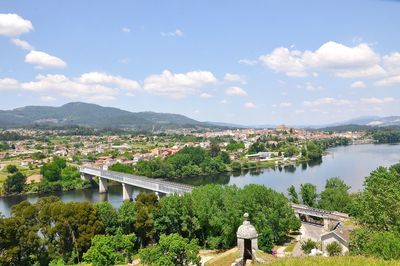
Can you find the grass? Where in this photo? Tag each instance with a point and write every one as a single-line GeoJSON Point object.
{"type": "Point", "coordinates": [337, 261]}
{"type": "Point", "coordinates": [290, 247]}
{"type": "Point", "coordinates": [224, 259]}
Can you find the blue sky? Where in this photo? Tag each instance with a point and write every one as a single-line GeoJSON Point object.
{"type": "Point", "coordinates": [249, 62]}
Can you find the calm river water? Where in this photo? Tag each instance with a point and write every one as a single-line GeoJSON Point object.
{"type": "Point", "coordinates": [351, 163]}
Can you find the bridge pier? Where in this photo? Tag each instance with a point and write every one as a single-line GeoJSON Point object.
{"type": "Point", "coordinates": [103, 185]}
{"type": "Point", "coordinates": [126, 192]}
{"type": "Point", "coordinates": [85, 176]}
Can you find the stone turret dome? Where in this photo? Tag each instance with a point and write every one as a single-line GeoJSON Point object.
{"type": "Point", "coordinates": [246, 230]}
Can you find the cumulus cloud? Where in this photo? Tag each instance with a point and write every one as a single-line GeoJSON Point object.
{"type": "Point", "coordinates": [103, 78]}
{"type": "Point", "coordinates": [390, 81]}
{"type": "Point", "coordinates": [12, 25]}
{"type": "Point", "coordinates": [22, 44]}
{"type": "Point", "coordinates": [205, 95]}
{"type": "Point", "coordinates": [234, 78]}
{"type": "Point", "coordinates": [126, 30]}
{"type": "Point", "coordinates": [235, 91]}
{"type": "Point", "coordinates": [343, 61]}
{"type": "Point", "coordinates": [326, 101]}
{"type": "Point", "coordinates": [310, 87]}
{"type": "Point", "coordinates": [176, 33]}
{"type": "Point", "coordinates": [178, 85]}
{"type": "Point", "coordinates": [8, 84]}
{"type": "Point", "coordinates": [374, 100]}
{"type": "Point", "coordinates": [248, 62]}
{"type": "Point", "coordinates": [358, 85]}
{"type": "Point", "coordinates": [249, 105]}
{"type": "Point", "coordinates": [392, 65]}
{"type": "Point", "coordinates": [92, 86]}
{"type": "Point", "coordinates": [44, 60]}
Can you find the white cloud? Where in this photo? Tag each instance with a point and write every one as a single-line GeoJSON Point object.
{"type": "Point", "coordinates": [47, 98]}
{"type": "Point", "coordinates": [44, 60]}
{"type": "Point", "coordinates": [299, 111]}
{"type": "Point", "coordinates": [235, 91]}
{"type": "Point", "coordinates": [178, 85]}
{"type": "Point", "coordinates": [205, 95]}
{"type": "Point", "coordinates": [126, 30]}
{"type": "Point", "coordinates": [358, 85]}
{"type": "Point", "coordinates": [390, 81]}
{"type": "Point", "coordinates": [248, 62]}
{"type": "Point", "coordinates": [223, 101]}
{"type": "Point", "coordinates": [234, 78]}
{"type": "Point", "coordinates": [285, 104]}
{"type": "Point", "coordinates": [103, 78]}
{"type": "Point", "coordinates": [341, 60]}
{"type": "Point", "coordinates": [392, 63]}
{"type": "Point", "coordinates": [22, 44]}
{"type": "Point", "coordinates": [13, 25]}
{"type": "Point", "coordinates": [374, 100]}
{"type": "Point", "coordinates": [8, 84]}
{"type": "Point", "coordinates": [326, 101]}
{"type": "Point", "coordinates": [176, 33]}
{"type": "Point", "coordinates": [310, 87]}
{"type": "Point", "coordinates": [249, 105]}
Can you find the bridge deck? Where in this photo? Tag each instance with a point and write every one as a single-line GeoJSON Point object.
{"type": "Point", "coordinates": [304, 209]}
{"type": "Point", "coordinates": [157, 185]}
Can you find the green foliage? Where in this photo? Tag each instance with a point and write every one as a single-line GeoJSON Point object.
{"type": "Point", "coordinates": [172, 250]}
{"type": "Point", "coordinates": [14, 183]}
{"type": "Point", "coordinates": [127, 217]}
{"type": "Point", "coordinates": [52, 171]}
{"type": "Point", "coordinates": [111, 250]}
{"type": "Point", "coordinates": [65, 232]}
{"type": "Point", "coordinates": [188, 162]}
{"type": "Point", "coordinates": [214, 148]}
{"type": "Point", "coordinates": [256, 147]}
{"type": "Point", "coordinates": [11, 168]}
{"type": "Point", "coordinates": [234, 145]}
{"type": "Point", "coordinates": [122, 168]}
{"type": "Point", "coordinates": [145, 205]}
{"type": "Point", "coordinates": [225, 158]}
{"type": "Point", "coordinates": [378, 204]}
{"type": "Point", "coordinates": [108, 216]}
{"type": "Point", "coordinates": [308, 245]}
{"type": "Point", "coordinates": [236, 166]}
{"type": "Point", "coordinates": [313, 150]}
{"type": "Point", "coordinates": [335, 197]}
{"type": "Point", "coordinates": [334, 249]}
{"type": "Point", "coordinates": [290, 150]}
{"type": "Point", "coordinates": [308, 193]}
{"type": "Point", "coordinates": [385, 245]}
{"type": "Point", "coordinates": [293, 196]}
{"type": "Point", "coordinates": [386, 135]}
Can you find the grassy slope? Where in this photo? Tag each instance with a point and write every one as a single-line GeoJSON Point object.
{"type": "Point", "coordinates": [337, 261]}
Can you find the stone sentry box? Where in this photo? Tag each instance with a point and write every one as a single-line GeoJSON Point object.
{"type": "Point", "coordinates": [247, 241]}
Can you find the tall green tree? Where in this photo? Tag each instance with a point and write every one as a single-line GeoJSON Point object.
{"type": "Point", "coordinates": [171, 250]}
{"type": "Point", "coordinates": [335, 196]}
{"type": "Point", "coordinates": [14, 183]}
{"type": "Point", "coordinates": [308, 193]}
{"type": "Point", "coordinates": [145, 206]}
{"type": "Point", "coordinates": [293, 196]}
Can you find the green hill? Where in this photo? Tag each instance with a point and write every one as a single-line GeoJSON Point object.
{"type": "Point", "coordinates": [95, 116]}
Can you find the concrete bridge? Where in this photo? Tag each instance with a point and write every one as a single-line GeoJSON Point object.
{"type": "Point", "coordinates": [330, 218]}
{"type": "Point", "coordinates": [129, 181]}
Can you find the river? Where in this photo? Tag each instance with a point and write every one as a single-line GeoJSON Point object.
{"type": "Point", "coordinates": [351, 163]}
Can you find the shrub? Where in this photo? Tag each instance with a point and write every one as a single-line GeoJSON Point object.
{"type": "Point", "coordinates": [308, 245]}
{"type": "Point", "coordinates": [334, 249]}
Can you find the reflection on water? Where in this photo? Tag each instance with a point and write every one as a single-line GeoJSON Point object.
{"type": "Point", "coordinates": [351, 163]}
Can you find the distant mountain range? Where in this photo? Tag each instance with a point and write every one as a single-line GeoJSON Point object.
{"type": "Point", "coordinates": [94, 116]}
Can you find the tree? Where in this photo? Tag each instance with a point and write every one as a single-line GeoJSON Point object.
{"type": "Point", "coordinates": [334, 249]}
{"type": "Point", "coordinates": [145, 205]}
{"type": "Point", "coordinates": [111, 250]}
{"type": "Point", "coordinates": [172, 250]}
{"type": "Point", "coordinates": [225, 158]}
{"type": "Point", "coordinates": [308, 193]}
{"type": "Point", "coordinates": [256, 147]}
{"type": "Point", "coordinates": [52, 171]}
{"type": "Point", "coordinates": [127, 217]}
{"type": "Point", "coordinates": [308, 245]}
{"type": "Point", "coordinates": [108, 216]}
{"type": "Point", "coordinates": [335, 197]}
{"type": "Point", "coordinates": [378, 204]}
{"type": "Point", "coordinates": [293, 196]}
{"type": "Point", "coordinates": [123, 168]}
{"type": "Point", "coordinates": [11, 169]}
{"type": "Point", "coordinates": [214, 148]}
{"type": "Point", "coordinates": [14, 183]}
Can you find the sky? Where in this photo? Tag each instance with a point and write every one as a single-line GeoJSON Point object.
{"type": "Point", "coordinates": [247, 62]}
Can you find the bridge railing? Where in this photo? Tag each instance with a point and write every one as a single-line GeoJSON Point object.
{"type": "Point", "coordinates": [140, 181]}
